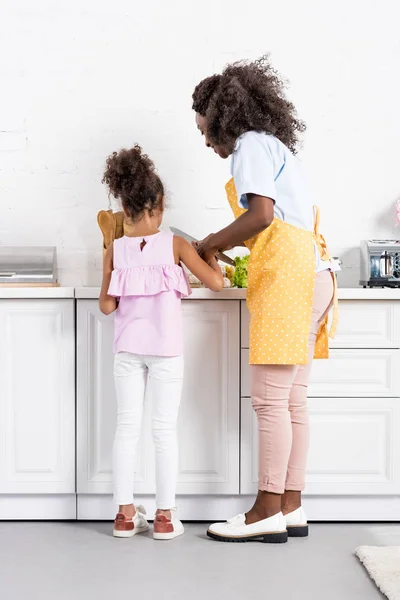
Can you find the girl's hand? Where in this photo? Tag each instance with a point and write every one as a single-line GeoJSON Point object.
{"type": "Point", "coordinates": [107, 303]}
{"type": "Point", "coordinates": [206, 268]}
{"type": "Point", "coordinates": [209, 256]}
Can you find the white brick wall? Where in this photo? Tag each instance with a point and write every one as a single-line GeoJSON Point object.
{"type": "Point", "coordinates": [82, 78]}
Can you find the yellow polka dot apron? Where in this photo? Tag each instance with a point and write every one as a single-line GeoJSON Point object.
{"type": "Point", "coordinates": [280, 291]}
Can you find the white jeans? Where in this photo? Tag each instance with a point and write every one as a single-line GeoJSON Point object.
{"type": "Point", "coordinates": [159, 379]}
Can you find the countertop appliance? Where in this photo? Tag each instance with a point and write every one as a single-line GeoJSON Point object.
{"type": "Point", "coordinates": [25, 266]}
{"type": "Point", "coordinates": [380, 263]}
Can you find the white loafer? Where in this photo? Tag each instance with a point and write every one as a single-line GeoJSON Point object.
{"type": "Point", "coordinates": [271, 530]}
{"type": "Point", "coordinates": [296, 523]}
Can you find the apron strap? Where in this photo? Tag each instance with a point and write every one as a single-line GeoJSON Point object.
{"type": "Point", "coordinates": [319, 238]}
{"type": "Point", "coordinates": [324, 254]}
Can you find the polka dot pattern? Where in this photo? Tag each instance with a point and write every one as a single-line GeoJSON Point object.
{"type": "Point", "coordinates": [280, 292]}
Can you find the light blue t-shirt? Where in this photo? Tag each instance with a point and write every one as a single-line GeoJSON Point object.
{"type": "Point", "coordinates": [262, 165]}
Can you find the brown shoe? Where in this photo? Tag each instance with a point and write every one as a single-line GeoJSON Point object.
{"type": "Point", "coordinates": [125, 527]}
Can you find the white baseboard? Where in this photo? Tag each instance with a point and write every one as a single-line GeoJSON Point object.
{"type": "Point", "coordinates": [37, 507]}
{"type": "Point", "coordinates": [94, 507]}
{"type": "Point", "coordinates": [210, 508]}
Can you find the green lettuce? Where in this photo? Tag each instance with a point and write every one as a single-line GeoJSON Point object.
{"type": "Point", "coordinates": [240, 276]}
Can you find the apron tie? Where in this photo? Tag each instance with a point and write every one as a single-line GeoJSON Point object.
{"type": "Point", "coordinates": [325, 256]}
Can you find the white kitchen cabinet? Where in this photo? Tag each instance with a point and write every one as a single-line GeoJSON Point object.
{"type": "Point", "coordinates": [37, 397]}
{"type": "Point", "coordinates": [357, 373]}
{"type": "Point", "coordinates": [209, 414]}
{"type": "Point", "coordinates": [96, 406]}
{"type": "Point", "coordinates": [355, 447]}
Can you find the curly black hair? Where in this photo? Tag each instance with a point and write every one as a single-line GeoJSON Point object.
{"type": "Point", "coordinates": [130, 176]}
{"type": "Point", "coordinates": [247, 96]}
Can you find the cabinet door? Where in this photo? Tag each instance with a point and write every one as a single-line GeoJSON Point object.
{"type": "Point", "coordinates": [37, 396]}
{"type": "Point", "coordinates": [209, 414]}
{"type": "Point", "coordinates": [96, 407]}
{"type": "Point", "coordinates": [208, 426]}
{"type": "Point", "coordinates": [355, 447]}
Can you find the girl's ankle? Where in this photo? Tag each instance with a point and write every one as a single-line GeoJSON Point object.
{"type": "Point", "coordinates": [165, 512]}
{"type": "Point", "coordinates": [128, 510]}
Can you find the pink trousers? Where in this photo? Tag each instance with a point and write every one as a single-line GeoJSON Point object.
{"type": "Point", "coordinates": [279, 397]}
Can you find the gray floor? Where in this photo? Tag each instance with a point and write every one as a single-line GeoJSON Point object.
{"type": "Point", "coordinates": [81, 561]}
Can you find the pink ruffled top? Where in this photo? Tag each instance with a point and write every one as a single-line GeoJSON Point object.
{"type": "Point", "coordinates": [149, 285]}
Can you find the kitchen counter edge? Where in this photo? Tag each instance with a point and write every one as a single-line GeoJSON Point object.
{"type": "Point", "coordinates": [92, 293]}
{"type": "Point", "coordinates": [37, 292]}
{"type": "Point", "coordinates": [240, 294]}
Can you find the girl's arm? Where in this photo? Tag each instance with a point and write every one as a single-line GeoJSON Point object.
{"type": "Point", "coordinates": [207, 270]}
{"type": "Point", "coordinates": [107, 303]}
{"type": "Point", "coordinates": [258, 216]}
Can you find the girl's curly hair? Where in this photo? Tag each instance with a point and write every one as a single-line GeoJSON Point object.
{"type": "Point", "coordinates": [130, 176]}
{"type": "Point", "coordinates": [247, 96]}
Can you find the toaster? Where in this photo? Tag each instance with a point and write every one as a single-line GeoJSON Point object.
{"type": "Point", "coordinates": [380, 263]}
{"type": "Point", "coordinates": [28, 266]}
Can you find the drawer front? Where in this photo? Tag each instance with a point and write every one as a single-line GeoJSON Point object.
{"type": "Point", "coordinates": [348, 373]}
{"type": "Point", "coordinates": [362, 324]}
{"type": "Point", "coordinates": [367, 324]}
{"type": "Point", "coordinates": [355, 447]}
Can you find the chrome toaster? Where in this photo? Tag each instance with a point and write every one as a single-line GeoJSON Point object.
{"type": "Point", "coordinates": [28, 266]}
{"type": "Point", "coordinates": [380, 263]}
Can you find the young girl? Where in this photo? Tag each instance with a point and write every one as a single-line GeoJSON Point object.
{"type": "Point", "coordinates": [144, 282]}
{"type": "Point", "coordinates": [243, 114]}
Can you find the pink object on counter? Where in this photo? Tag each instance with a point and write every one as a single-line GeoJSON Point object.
{"type": "Point", "coordinates": [149, 285]}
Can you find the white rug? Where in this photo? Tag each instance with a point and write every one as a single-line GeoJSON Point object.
{"type": "Point", "coordinates": [383, 566]}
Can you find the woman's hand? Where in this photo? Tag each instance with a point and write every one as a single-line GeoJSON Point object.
{"type": "Point", "coordinates": [208, 247]}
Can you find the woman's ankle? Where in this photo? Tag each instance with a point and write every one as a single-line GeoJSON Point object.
{"type": "Point", "coordinates": [266, 505]}
{"type": "Point", "coordinates": [291, 501]}
{"type": "Point", "coordinates": [127, 509]}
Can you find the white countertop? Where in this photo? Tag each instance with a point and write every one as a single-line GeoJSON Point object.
{"type": "Point", "coordinates": [240, 294]}
{"type": "Point", "coordinates": [37, 292]}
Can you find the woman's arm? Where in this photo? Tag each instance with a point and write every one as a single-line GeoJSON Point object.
{"type": "Point", "coordinates": [199, 244]}
{"type": "Point", "coordinates": [107, 303]}
{"type": "Point", "coordinates": [259, 216]}
{"type": "Point", "coordinates": [207, 270]}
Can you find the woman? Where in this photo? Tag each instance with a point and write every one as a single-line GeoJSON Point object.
{"type": "Point", "coordinates": [243, 114]}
